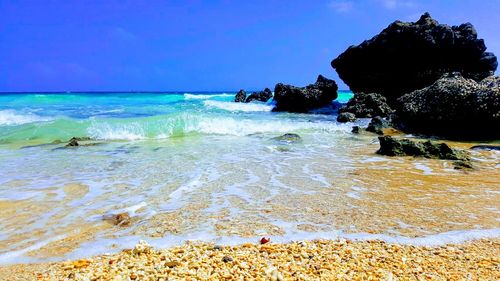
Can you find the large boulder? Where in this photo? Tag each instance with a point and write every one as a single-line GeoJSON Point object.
{"type": "Point", "coordinates": [391, 146]}
{"type": "Point", "coordinates": [262, 96]}
{"type": "Point", "coordinates": [409, 56]}
{"type": "Point", "coordinates": [303, 99]}
{"type": "Point", "coordinates": [345, 117]}
{"type": "Point", "coordinates": [240, 96]}
{"type": "Point", "coordinates": [453, 106]}
{"type": "Point", "coordinates": [364, 105]}
{"type": "Point", "coordinates": [378, 125]}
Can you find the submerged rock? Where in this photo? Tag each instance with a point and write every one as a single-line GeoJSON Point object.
{"type": "Point", "coordinates": [390, 146]}
{"type": "Point", "coordinates": [486, 147]}
{"type": "Point", "coordinates": [288, 137]}
{"type": "Point", "coordinates": [303, 99]}
{"type": "Point", "coordinates": [377, 125]}
{"type": "Point", "coordinates": [262, 96]}
{"type": "Point", "coordinates": [408, 56]}
{"type": "Point", "coordinates": [367, 105]}
{"type": "Point", "coordinates": [453, 106]}
{"type": "Point", "coordinates": [240, 96]}
{"type": "Point", "coordinates": [355, 130]}
{"type": "Point", "coordinates": [345, 117]}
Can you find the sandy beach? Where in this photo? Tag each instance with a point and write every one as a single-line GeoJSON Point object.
{"type": "Point", "coordinates": [304, 260]}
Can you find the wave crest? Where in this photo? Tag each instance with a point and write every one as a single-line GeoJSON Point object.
{"type": "Point", "coordinates": [11, 117]}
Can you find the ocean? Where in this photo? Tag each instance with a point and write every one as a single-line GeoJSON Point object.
{"type": "Point", "coordinates": [197, 166]}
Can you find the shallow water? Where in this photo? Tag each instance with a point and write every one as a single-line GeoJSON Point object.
{"type": "Point", "coordinates": [198, 166]}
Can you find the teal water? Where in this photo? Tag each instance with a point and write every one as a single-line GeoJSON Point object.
{"type": "Point", "coordinates": [197, 166]}
{"type": "Point", "coordinates": [40, 118]}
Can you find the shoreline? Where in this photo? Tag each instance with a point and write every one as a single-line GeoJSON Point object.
{"type": "Point", "coordinates": [325, 259]}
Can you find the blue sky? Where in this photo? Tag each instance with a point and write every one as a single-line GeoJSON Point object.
{"type": "Point", "coordinates": [199, 45]}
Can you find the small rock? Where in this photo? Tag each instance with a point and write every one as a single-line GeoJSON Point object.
{"type": "Point", "coordinates": [262, 96]}
{"type": "Point", "coordinates": [122, 219]}
{"type": "Point", "coordinates": [72, 142]}
{"type": "Point", "coordinates": [355, 129]}
{"type": "Point", "coordinates": [288, 137]}
{"type": "Point", "coordinates": [240, 96]}
{"type": "Point", "coordinates": [265, 240]}
{"type": "Point", "coordinates": [345, 117]}
{"type": "Point", "coordinates": [227, 259]}
{"type": "Point", "coordinates": [218, 247]}
{"type": "Point", "coordinates": [377, 125]}
{"type": "Point", "coordinates": [486, 147]}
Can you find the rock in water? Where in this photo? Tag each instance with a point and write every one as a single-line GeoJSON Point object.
{"type": "Point", "coordinates": [262, 96]}
{"type": "Point", "coordinates": [453, 107]}
{"type": "Point", "coordinates": [288, 137]}
{"type": "Point", "coordinates": [367, 105]}
{"type": "Point", "coordinates": [409, 56]}
{"type": "Point", "coordinates": [240, 96]}
{"type": "Point", "coordinates": [303, 99]}
{"type": "Point", "coordinates": [345, 117]}
{"type": "Point", "coordinates": [377, 125]}
{"type": "Point", "coordinates": [404, 147]}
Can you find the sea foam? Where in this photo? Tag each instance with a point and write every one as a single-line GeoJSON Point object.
{"type": "Point", "coordinates": [11, 117]}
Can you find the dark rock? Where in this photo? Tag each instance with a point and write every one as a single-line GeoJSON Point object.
{"type": "Point", "coordinates": [262, 96]}
{"type": "Point", "coordinates": [404, 147]}
{"type": "Point", "coordinates": [355, 130]}
{"type": "Point", "coordinates": [227, 259]}
{"type": "Point", "coordinates": [409, 56]}
{"type": "Point", "coordinates": [303, 99]}
{"type": "Point", "coordinates": [377, 125]}
{"type": "Point", "coordinates": [122, 219]}
{"type": "Point", "coordinates": [367, 105]}
{"type": "Point", "coordinates": [288, 138]}
{"type": "Point", "coordinates": [73, 142]}
{"type": "Point", "coordinates": [345, 117]}
{"type": "Point", "coordinates": [486, 147]}
{"type": "Point", "coordinates": [462, 165]}
{"type": "Point", "coordinates": [240, 96]}
{"type": "Point", "coordinates": [454, 107]}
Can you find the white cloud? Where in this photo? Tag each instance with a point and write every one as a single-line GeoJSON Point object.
{"type": "Point", "coordinates": [341, 6]}
{"type": "Point", "coordinates": [393, 4]}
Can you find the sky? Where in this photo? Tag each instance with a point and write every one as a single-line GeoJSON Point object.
{"type": "Point", "coordinates": [121, 45]}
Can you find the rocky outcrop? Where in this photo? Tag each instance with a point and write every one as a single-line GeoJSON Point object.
{"type": "Point", "coordinates": [377, 125]}
{"type": "Point", "coordinates": [409, 56]}
{"type": "Point", "coordinates": [453, 106]}
{"type": "Point", "coordinates": [367, 105]}
{"type": "Point", "coordinates": [390, 146]}
{"type": "Point", "coordinates": [303, 99]}
{"type": "Point", "coordinates": [262, 96]}
{"type": "Point", "coordinates": [240, 96]}
{"type": "Point", "coordinates": [345, 117]}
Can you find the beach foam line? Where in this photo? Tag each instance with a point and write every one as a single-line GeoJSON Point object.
{"type": "Point", "coordinates": [188, 96]}
{"type": "Point", "coordinates": [239, 106]}
{"type": "Point", "coordinates": [107, 245]}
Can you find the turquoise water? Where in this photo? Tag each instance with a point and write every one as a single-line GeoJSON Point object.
{"type": "Point", "coordinates": [48, 117]}
{"type": "Point", "coordinates": [197, 166]}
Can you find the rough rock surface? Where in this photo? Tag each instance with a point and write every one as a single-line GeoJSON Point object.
{"type": "Point", "coordinates": [453, 107]}
{"type": "Point", "coordinates": [240, 96]}
{"type": "Point", "coordinates": [288, 138]}
{"type": "Point", "coordinates": [377, 125]}
{"type": "Point", "coordinates": [367, 105]}
{"type": "Point", "coordinates": [262, 96]}
{"type": "Point", "coordinates": [345, 117]}
{"type": "Point", "coordinates": [404, 147]}
{"type": "Point", "coordinates": [408, 56]}
{"type": "Point", "coordinates": [303, 99]}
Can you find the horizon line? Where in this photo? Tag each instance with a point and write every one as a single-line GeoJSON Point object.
{"type": "Point", "coordinates": [129, 92]}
